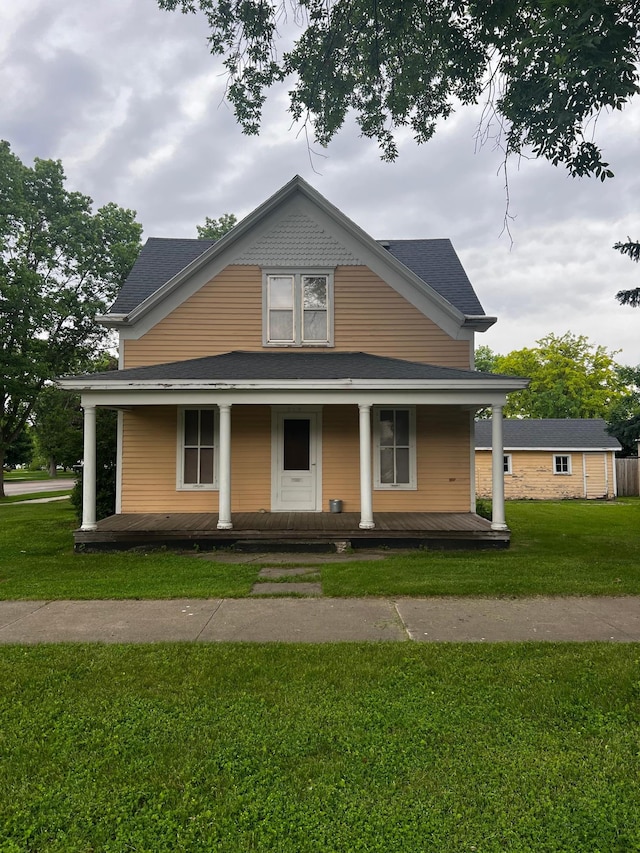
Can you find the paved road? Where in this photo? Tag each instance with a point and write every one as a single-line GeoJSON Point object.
{"type": "Point", "coordinates": [29, 487]}
{"type": "Point", "coordinates": [323, 620]}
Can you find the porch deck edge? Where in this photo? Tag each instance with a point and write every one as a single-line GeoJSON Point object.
{"type": "Point", "coordinates": [250, 532]}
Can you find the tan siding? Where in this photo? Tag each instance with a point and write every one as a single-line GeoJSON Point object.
{"type": "Point", "coordinates": [150, 453]}
{"type": "Point", "coordinates": [533, 475]}
{"type": "Point", "coordinates": [226, 315]}
{"type": "Point", "coordinates": [442, 462]}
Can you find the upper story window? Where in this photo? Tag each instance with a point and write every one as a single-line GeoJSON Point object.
{"type": "Point", "coordinates": [298, 309]}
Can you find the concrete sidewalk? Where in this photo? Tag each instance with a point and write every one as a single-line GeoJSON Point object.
{"type": "Point", "coordinates": [322, 620]}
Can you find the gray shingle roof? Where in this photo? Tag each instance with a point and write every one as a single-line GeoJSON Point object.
{"type": "Point", "coordinates": [436, 263]}
{"type": "Point", "coordinates": [159, 260]}
{"type": "Point", "coordinates": [433, 261]}
{"type": "Point", "coordinates": [291, 365]}
{"type": "Point", "coordinates": [549, 433]}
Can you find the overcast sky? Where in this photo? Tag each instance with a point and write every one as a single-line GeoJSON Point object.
{"type": "Point", "coordinates": [130, 100]}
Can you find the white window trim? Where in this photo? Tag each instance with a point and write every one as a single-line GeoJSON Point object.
{"type": "Point", "coordinates": [412, 485]}
{"type": "Point", "coordinates": [297, 275]}
{"type": "Point", "coordinates": [557, 456]}
{"type": "Point", "coordinates": [509, 460]}
{"type": "Point", "coordinates": [181, 486]}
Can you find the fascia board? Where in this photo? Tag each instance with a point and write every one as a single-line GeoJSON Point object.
{"type": "Point", "coordinates": [232, 238]}
{"type": "Point", "coordinates": [211, 262]}
{"type": "Point", "coordinates": [380, 261]}
{"type": "Point", "coordinates": [291, 384]}
{"type": "Point", "coordinates": [236, 396]}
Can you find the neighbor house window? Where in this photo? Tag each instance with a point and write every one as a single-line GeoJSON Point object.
{"type": "Point", "coordinates": [197, 449]}
{"type": "Point", "coordinates": [298, 309]}
{"type": "Point", "coordinates": [562, 464]}
{"type": "Point", "coordinates": [395, 448]}
{"type": "Point", "coordinates": [507, 463]}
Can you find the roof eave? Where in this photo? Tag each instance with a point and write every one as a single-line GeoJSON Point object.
{"type": "Point", "coordinates": [85, 384]}
{"type": "Point", "coordinates": [478, 322]}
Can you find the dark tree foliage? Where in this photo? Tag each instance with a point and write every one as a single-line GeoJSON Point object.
{"type": "Point", "coordinates": [106, 456]}
{"type": "Point", "coordinates": [20, 452]}
{"type": "Point", "coordinates": [543, 68]}
{"type": "Point", "coordinates": [632, 250]}
{"type": "Point", "coordinates": [623, 420]}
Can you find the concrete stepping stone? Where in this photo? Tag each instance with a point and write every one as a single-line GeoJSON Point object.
{"type": "Point", "coordinates": [279, 572]}
{"type": "Point", "coordinates": [299, 588]}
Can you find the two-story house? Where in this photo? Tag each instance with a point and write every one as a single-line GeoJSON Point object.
{"type": "Point", "coordinates": [295, 366]}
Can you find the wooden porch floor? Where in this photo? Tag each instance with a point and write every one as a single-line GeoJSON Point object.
{"type": "Point", "coordinates": [294, 529]}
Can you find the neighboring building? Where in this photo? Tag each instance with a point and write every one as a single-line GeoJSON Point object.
{"type": "Point", "coordinates": [550, 458]}
{"type": "Point", "coordinates": [294, 362]}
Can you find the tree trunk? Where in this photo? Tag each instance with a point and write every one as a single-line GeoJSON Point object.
{"type": "Point", "coordinates": [52, 467]}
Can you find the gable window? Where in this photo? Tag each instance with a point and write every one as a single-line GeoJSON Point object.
{"type": "Point", "coordinates": [507, 463]}
{"type": "Point", "coordinates": [561, 464]}
{"type": "Point", "coordinates": [298, 309]}
{"type": "Point", "coordinates": [395, 448]}
{"type": "Point", "coordinates": [197, 435]}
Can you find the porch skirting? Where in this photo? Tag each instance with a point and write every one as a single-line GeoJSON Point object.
{"type": "Point", "coordinates": [292, 530]}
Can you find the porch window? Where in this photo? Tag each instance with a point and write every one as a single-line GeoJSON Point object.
{"type": "Point", "coordinates": [561, 464]}
{"type": "Point", "coordinates": [298, 309]}
{"type": "Point", "coordinates": [395, 448]}
{"type": "Point", "coordinates": [197, 449]}
{"type": "Point", "coordinates": [507, 463]}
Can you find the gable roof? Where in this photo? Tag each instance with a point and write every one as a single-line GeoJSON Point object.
{"type": "Point", "coordinates": [435, 262]}
{"type": "Point", "coordinates": [549, 434]}
{"type": "Point", "coordinates": [427, 271]}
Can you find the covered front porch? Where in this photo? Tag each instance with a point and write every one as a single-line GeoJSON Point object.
{"type": "Point", "coordinates": [321, 531]}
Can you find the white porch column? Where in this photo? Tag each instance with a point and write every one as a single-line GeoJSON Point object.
{"type": "Point", "coordinates": [498, 521]}
{"type": "Point", "coordinates": [366, 500]}
{"type": "Point", "coordinates": [89, 470]}
{"type": "Point", "coordinates": [224, 469]}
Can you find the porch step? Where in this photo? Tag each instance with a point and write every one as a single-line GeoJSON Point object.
{"type": "Point", "coordinates": [309, 546]}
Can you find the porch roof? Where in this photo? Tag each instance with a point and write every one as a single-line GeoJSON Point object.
{"type": "Point", "coordinates": [292, 368]}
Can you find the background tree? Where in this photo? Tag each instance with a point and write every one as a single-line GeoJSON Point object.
{"type": "Point", "coordinates": [570, 378]}
{"type": "Point", "coordinates": [213, 229]}
{"type": "Point", "coordinates": [485, 359]}
{"type": "Point", "coordinates": [60, 265]}
{"type": "Point", "coordinates": [544, 68]}
{"type": "Point", "coordinates": [58, 428]}
{"type": "Point", "coordinates": [629, 297]}
{"type": "Point", "coordinates": [623, 419]}
{"type": "Point", "coordinates": [21, 452]}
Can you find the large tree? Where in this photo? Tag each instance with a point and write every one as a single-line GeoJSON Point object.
{"type": "Point", "coordinates": [570, 378]}
{"type": "Point", "coordinates": [624, 416]}
{"type": "Point", "coordinates": [632, 249]}
{"type": "Point", "coordinates": [60, 265]}
{"type": "Point", "coordinates": [544, 69]}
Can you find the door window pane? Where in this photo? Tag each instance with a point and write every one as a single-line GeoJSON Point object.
{"type": "Point", "coordinates": [296, 436]}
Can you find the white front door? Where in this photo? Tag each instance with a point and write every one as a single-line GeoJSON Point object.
{"type": "Point", "coordinates": [296, 457]}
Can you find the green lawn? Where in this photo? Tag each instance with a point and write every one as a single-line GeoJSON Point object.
{"type": "Point", "coordinates": [564, 548]}
{"type": "Point", "coordinates": [302, 749]}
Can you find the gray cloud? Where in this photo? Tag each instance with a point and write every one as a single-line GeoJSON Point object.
{"type": "Point", "coordinates": [130, 100]}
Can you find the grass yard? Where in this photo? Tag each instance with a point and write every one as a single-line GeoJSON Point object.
{"type": "Point", "coordinates": [563, 548]}
{"type": "Point", "coordinates": [301, 749]}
